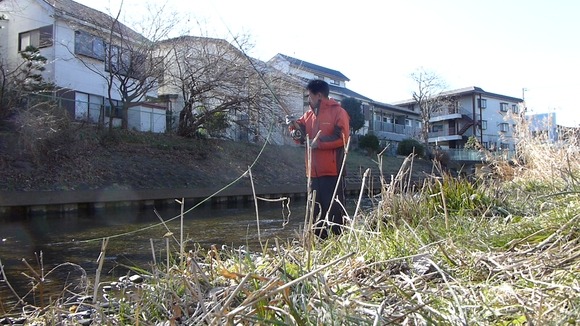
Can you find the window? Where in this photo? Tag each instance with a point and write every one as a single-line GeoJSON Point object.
{"type": "Point", "coordinates": [504, 146]}
{"type": "Point", "coordinates": [504, 127]}
{"type": "Point", "coordinates": [88, 107]}
{"type": "Point", "coordinates": [89, 45]}
{"type": "Point", "coordinates": [482, 103]}
{"type": "Point", "coordinates": [503, 107]}
{"type": "Point", "coordinates": [483, 124]}
{"type": "Point", "coordinates": [125, 62]}
{"type": "Point", "coordinates": [515, 109]}
{"type": "Point", "coordinates": [387, 119]}
{"type": "Point", "coordinates": [39, 38]}
{"type": "Point", "coordinates": [408, 123]}
{"type": "Point", "coordinates": [116, 111]}
{"type": "Point", "coordinates": [436, 128]}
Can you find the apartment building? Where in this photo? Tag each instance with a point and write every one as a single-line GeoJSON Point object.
{"type": "Point", "coordinates": [468, 112]}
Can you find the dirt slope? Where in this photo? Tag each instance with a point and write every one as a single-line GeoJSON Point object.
{"type": "Point", "coordinates": [84, 159]}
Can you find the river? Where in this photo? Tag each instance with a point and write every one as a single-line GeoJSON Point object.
{"type": "Point", "coordinates": [77, 237]}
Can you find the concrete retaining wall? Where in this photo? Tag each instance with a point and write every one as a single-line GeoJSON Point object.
{"type": "Point", "coordinates": [23, 204]}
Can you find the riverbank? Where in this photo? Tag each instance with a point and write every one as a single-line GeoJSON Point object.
{"type": "Point", "coordinates": [86, 166]}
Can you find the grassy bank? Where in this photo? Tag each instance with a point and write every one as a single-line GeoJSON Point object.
{"type": "Point", "coordinates": [501, 249]}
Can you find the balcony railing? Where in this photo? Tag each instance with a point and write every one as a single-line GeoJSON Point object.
{"type": "Point", "coordinates": [475, 156]}
{"type": "Point", "coordinates": [451, 110]}
{"type": "Point", "coordinates": [394, 128]}
{"type": "Point", "coordinates": [447, 131]}
{"type": "Point", "coordinates": [464, 155]}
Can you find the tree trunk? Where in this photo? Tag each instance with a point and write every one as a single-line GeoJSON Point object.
{"type": "Point", "coordinates": [125, 119]}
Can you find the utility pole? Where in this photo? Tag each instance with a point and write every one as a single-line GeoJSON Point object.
{"type": "Point", "coordinates": [524, 99]}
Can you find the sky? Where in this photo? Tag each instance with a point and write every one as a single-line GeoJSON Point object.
{"type": "Point", "coordinates": [527, 49]}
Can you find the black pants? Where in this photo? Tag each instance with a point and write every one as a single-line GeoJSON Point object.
{"type": "Point", "coordinates": [324, 187]}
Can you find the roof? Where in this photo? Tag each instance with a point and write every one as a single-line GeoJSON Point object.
{"type": "Point", "coordinates": [394, 108]}
{"type": "Point", "coordinates": [348, 93]}
{"type": "Point", "coordinates": [467, 90]}
{"type": "Point", "coordinates": [90, 16]}
{"type": "Point", "coordinates": [191, 38]}
{"type": "Point", "coordinates": [314, 68]}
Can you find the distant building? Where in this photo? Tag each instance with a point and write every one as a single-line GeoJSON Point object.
{"type": "Point", "coordinates": [389, 123]}
{"type": "Point", "coordinates": [306, 71]}
{"type": "Point", "coordinates": [472, 112]}
{"type": "Point", "coordinates": [544, 123]}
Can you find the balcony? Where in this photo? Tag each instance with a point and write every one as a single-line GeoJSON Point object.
{"type": "Point", "coordinates": [393, 131]}
{"type": "Point", "coordinates": [447, 134]}
{"type": "Point", "coordinates": [468, 155]}
{"type": "Point", "coordinates": [450, 114]}
{"type": "Point", "coordinates": [465, 155]}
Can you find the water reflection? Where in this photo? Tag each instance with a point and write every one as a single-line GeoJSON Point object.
{"type": "Point", "coordinates": [76, 238]}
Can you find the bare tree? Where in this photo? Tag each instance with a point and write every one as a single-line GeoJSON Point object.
{"type": "Point", "coordinates": [132, 65]}
{"type": "Point", "coordinates": [220, 86]}
{"type": "Point", "coordinates": [428, 97]}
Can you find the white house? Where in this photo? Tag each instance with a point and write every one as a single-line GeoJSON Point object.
{"type": "Point", "coordinates": [205, 74]}
{"type": "Point", "coordinates": [71, 36]}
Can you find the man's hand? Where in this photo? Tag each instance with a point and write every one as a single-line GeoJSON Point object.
{"type": "Point", "coordinates": [290, 120]}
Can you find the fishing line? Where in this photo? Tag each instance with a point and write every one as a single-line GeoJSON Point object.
{"type": "Point", "coordinates": [188, 210]}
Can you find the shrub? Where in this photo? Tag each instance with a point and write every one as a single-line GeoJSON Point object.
{"type": "Point", "coordinates": [370, 143]}
{"type": "Point", "coordinates": [43, 129]}
{"type": "Point", "coordinates": [408, 146]}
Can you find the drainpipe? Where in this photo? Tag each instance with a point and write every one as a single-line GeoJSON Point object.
{"type": "Point", "coordinates": [478, 120]}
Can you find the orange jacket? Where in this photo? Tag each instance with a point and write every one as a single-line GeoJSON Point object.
{"type": "Point", "coordinates": [334, 123]}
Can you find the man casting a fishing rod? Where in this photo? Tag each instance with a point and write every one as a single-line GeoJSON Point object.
{"type": "Point", "coordinates": [327, 126]}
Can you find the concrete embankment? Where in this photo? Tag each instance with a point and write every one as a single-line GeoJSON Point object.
{"type": "Point", "coordinates": [22, 204]}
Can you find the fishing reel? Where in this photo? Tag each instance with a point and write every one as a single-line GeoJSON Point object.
{"type": "Point", "coordinates": [296, 134]}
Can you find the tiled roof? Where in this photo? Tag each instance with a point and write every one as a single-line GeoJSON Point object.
{"type": "Point", "coordinates": [394, 108]}
{"type": "Point", "coordinates": [90, 16]}
{"type": "Point", "coordinates": [348, 93]}
{"type": "Point", "coordinates": [314, 68]}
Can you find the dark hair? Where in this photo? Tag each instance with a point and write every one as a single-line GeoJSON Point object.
{"type": "Point", "coordinates": [318, 86]}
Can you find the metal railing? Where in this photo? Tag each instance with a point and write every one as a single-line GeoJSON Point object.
{"type": "Point", "coordinates": [379, 126]}
{"type": "Point", "coordinates": [477, 156]}
{"type": "Point", "coordinates": [464, 155]}
{"type": "Point", "coordinates": [452, 110]}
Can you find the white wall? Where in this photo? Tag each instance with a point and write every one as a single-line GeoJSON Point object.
{"type": "Point", "coordinates": [146, 119]}
{"type": "Point", "coordinates": [23, 15]}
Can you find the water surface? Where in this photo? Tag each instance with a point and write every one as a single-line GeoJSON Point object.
{"type": "Point", "coordinates": [77, 238]}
